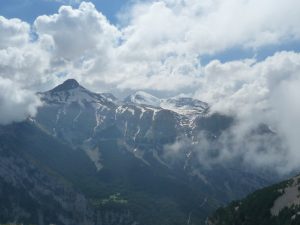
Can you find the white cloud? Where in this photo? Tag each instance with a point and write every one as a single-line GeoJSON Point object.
{"type": "Point", "coordinates": [13, 32]}
{"type": "Point", "coordinates": [209, 26]}
{"type": "Point", "coordinates": [165, 40]}
{"type": "Point", "coordinates": [22, 59]}
{"type": "Point", "coordinates": [16, 104]}
{"type": "Point", "coordinates": [26, 65]}
{"type": "Point", "coordinates": [158, 42]}
{"type": "Point", "coordinates": [23, 69]}
{"type": "Point", "coordinates": [78, 36]}
{"type": "Point", "coordinates": [248, 85]}
{"type": "Point", "coordinates": [258, 92]}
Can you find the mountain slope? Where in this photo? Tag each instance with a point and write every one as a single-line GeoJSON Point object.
{"type": "Point", "coordinates": [41, 179]}
{"type": "Point", "coordinates": [68, 168]}
{"type": "Point", "coordinates": [181, 105]}
{"type": "Point", "coordinates": [185, 106]}
{"type": "Point", "coordinates": [30, 194]}
{"type": "Point", "coordinates": [278, 204]}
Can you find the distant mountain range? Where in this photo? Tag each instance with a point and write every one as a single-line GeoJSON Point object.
{"type": "Point", "coordinates": [90, 158]}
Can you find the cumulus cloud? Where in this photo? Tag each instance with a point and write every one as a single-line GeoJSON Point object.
{"type": "Point", "coordinates": [77, 33]}
{"type": "Point", "coordinates": [23, 69]}
{"type": "Point", "coordinates": [251, 87]}
{"type": "Point", "coordinates": [158, 41]}
{"type": "Point", "coordinates": [13, 32]}
{"type": "Point", "coordinates": [16, 103]}
{"type": "Point", "coordinates": [160, 34]}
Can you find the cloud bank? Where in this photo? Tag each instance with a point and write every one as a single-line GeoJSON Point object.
{"type": "Point", "coordinates": [154, 43]}
{"type": "Point", "coordinates": [159, 46]}
{"type": "Point", "coordinates": [257, 93]}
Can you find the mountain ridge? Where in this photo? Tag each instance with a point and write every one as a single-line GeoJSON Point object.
{"type": "Point", "coordinates": [137, 98]}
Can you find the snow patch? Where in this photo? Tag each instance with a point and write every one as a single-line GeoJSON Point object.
{"type": "Point", "coordinates": [95, 157]}
{"type": "Point", "coordinates": [143, 98]}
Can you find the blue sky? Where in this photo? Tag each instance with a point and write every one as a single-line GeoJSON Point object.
{"type": "Point", "coordinates": [28, 10]}
{"type": "Point", "coordinates": [259, 54]}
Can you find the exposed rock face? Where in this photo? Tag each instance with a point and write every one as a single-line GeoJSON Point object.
{"type": "Point", "coordinates": [290, 197]}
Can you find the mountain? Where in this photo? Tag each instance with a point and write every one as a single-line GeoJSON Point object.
{"type": "Point", "coordinates": [181, 105]}
{"type": "Point", "coordinates": [118, 156]}
{"type": "Point", "coordinates": [278, 204]}
{"type": "Point", "coordinates": [39, 181]}
{"type": "Point", "coordinates": [143, 98]}
{"type": "Point", "coordinates": [185, 106]}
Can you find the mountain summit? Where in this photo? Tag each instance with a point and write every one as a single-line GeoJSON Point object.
{"type": "Point", "coordinates": [71, 91]}
{"type": "Point", "coordinates": [67, 85]}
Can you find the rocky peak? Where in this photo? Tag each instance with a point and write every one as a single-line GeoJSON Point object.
{"type": "Point", "coordinates": [67, 85]}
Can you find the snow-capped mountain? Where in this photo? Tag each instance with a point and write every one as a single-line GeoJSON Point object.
{"type": "Point", "coordinates": [140, 115]}
{"type": "Point", "coordinates": [71, 92]}
{"type": "Point", "coordinates": [181, 105]}
{"type": "Point", "coordinates": [108, 148]}
{"type": "Point", "coordinates": [185, 106]}
{"type": "Point", "coordinates": [81, 118]}
{"type": "Point", "coordinates": [143, 98]}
